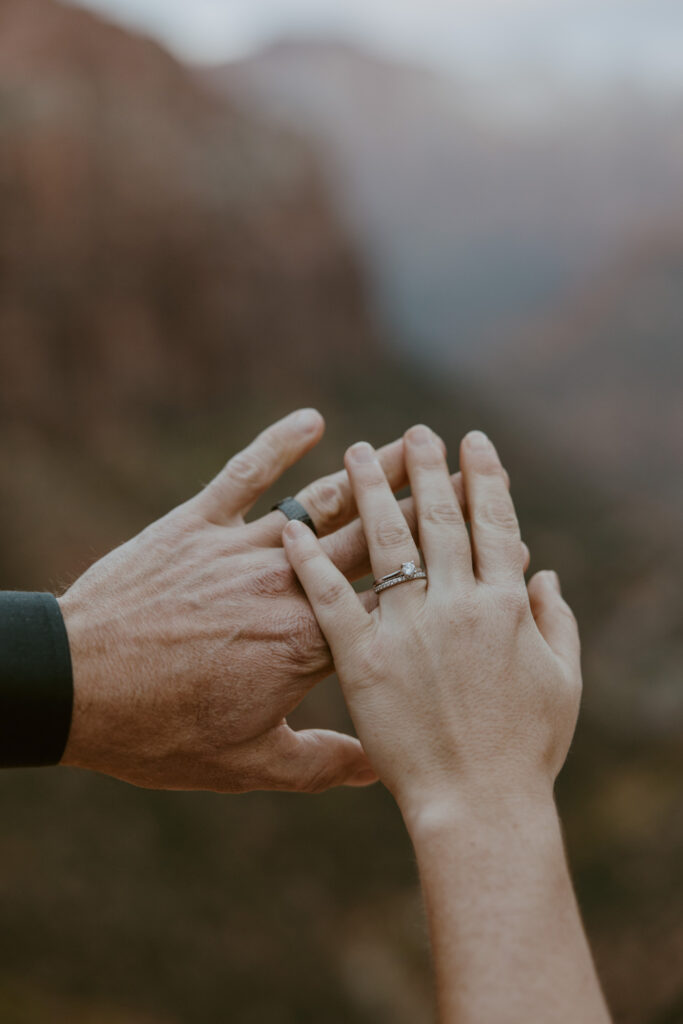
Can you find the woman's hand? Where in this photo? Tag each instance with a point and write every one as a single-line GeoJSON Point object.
{"type": "Point", "coordinates": [468, 683]}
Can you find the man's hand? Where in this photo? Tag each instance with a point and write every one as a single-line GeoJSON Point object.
{"type": "Point", "coordinates": [193, 642]}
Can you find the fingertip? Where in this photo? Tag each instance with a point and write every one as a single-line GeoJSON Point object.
{"type": "Point", "coordinates": [549, 578]}
{"type": "Point", "coordinates": [308, 421]}
{"type": "Point", "coordinates": [419, 435]}
{"type": "Point", "coordinates": [359, 453]}
{"type": "Point", "coordinates": [295, 530]}
{"type": "Point", "coordinates": [477, 441]}
{"type": "Point", "coordinates": [479, 455]}
{"type": "Point", "coordinates": [554, 580]}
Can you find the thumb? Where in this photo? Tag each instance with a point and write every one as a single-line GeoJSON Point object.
{"type": "Point", "coordinates": [314, 760]}
{"type": "Point", "coordinates": [554, 618]}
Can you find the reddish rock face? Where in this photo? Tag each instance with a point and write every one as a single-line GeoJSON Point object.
{"type": "Point", "coordinates": [162, 257]}
{"type": "Point", "coordinates": [158, 250]}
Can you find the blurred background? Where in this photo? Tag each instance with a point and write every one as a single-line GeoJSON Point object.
{"type": "Point", "coordinates": [214, 211]}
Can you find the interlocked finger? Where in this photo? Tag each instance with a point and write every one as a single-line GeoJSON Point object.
{"type": "Point", "coordinates": [330, 501]}
{"type": "Point", "coordinates": [331, 596]}
{"type": "Point", "coordinates": [496, 543]}
{"type": "Point", "coordinates": [390, 542]}
{"type": "Point", "coordinates": [443, 535]}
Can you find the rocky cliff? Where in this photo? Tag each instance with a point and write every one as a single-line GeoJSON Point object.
{"type": "Point", "coordinates": [161, 256]}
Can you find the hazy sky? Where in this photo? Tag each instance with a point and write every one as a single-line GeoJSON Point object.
{"type": "Point", "coordinates": [614, 38]}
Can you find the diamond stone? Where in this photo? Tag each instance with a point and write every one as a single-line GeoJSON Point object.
{"type": "Point", "coordinates": [408, 569]}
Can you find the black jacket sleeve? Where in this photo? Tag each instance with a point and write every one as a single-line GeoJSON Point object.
{"type": "Point", "coordinates": [36, 682]}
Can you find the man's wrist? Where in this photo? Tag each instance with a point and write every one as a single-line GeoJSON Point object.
{"type": "Point", "coordinates": [36, 682]}
{"type": "Point", "coordinates": [75, 618]}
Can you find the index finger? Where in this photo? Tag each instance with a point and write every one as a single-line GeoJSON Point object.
{"type": "Point", "coordinates": [334, 602]}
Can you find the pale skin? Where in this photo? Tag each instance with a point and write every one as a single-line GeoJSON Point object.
{"type": "Point", "coordinates": [465, 691]}
{"type": "Point", "coordinates": [192, 642]}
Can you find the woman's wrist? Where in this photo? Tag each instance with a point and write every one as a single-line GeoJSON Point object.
{"type": "Point", "coordinates": [433, 813]}
{"type": "Point", "coordinates": [505, 928]}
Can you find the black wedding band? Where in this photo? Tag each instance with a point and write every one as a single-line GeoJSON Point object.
{"type": "Point", "coordinates": [293, 509]}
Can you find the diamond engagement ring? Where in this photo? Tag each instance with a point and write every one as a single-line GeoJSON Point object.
{"type": "Point", "coordinates": [408, 572]}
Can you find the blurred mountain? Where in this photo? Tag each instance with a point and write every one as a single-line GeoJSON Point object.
{"type": "Point", "coordinates": [602, 377]}
{"type": "Point", "coordinates": [154, 239]}
{"type": "Point", "coordinates": [161, 255]}
{"type": "Point", "coordinates": [473, 206]}
{"type": "Point", "coordinates": [601, 382]}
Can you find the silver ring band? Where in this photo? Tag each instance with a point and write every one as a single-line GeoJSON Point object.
{"type": "Point", "coordinates": [406, 574]}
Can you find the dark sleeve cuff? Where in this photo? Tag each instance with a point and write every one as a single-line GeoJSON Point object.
{"type": "Point", "coordinates": [36, 681]}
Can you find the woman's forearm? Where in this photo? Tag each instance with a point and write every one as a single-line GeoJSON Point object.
{"type": "Point", "coordinates": [508, 942]}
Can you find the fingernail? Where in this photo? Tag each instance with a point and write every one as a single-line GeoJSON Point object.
{"type": "Point", "coordinates": [364, 777]}
{"type": "Point", "coordinates": [362, 452]}
{"type": "Point", "coordinates": [307, 420]}
{"type": "Point", "coordinates": [420, 435]}
{"type": "Point", "coordinates": [296, 529]}
{"type": "Point", "coordinates": [477, 439]}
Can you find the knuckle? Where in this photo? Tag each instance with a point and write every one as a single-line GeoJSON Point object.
{"type": "Point", "coordinates": [442, 514]}
{"type": "Point", "coordinates": [497, 514]}
{"type": "Point", "coordinates": [247, 469]}
{"type": "Point", "coordinates": [516, 559]}
{"type": "Point", "coordinates": [270, 581]}
{"type": "Point", "coordinates": [305, 556]}
{"type": "Point", "coordinates": [330, 594]}
{"type": "Point", "coordinates": [516, 602]}
{"type": "Point", "coordinates": [303, 641]}
{"type": "Point", "coordinates": [318, 780]}
{"type": "Point", "coordinates": [389, 533]}
{"type": "Point", "coordinates": [329, 501]}
{"type": "Point", "coordinates": [371, 479]}
{"type": "Point", "coordinates": [432, 458]}
{"type": "Point", "coordinates": [305, 768]}
{"type": "Point", "coordinates": [467, 613]}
